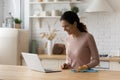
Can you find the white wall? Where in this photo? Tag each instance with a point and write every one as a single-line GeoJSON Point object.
{"type": "Point", "coordinates": [104, 26]}
{"type": "Point", "coordinates": [12, 6]}
{"type": "Point", "coordinates": [7, 6]}
{"type": "Point", "coordinates": [26, 14]}
{"type": "Point", "coordinates": [1, 12]}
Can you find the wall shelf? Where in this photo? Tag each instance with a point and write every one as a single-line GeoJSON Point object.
{"type": "Point", "coordinates": [44, 16]}
{"type": "Point", "coordinates": [59, 2]}
{"type": "Point", "coordinates": [48, 16]}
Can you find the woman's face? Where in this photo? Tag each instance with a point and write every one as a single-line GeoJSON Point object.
{"type": "Point", "coordinates": [69, 28]}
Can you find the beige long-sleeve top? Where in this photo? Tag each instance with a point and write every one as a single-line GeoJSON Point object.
{"type": "Point", "coordinates": [81, 51]}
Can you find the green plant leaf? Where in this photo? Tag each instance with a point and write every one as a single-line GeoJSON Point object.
{"type": "Point", "coordinates": [75, 9]}
{"type": "Point", "coordinates": [17, 21]}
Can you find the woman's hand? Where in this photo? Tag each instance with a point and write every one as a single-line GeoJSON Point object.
{"type": "Point", "coordinates": [65, 66]}
{"type": "Point", "coordinates": [81, 68]}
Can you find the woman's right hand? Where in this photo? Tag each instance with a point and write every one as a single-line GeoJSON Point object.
{"type": "Point", "coordinates": [65, 66]}
{"type": "Point", "coordinates": [83, 67]}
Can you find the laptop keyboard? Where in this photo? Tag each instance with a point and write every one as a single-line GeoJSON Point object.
{"type": "Point", "coordinates": [48, 70]}
{"type": "Point", "coordinates": [51, 70]}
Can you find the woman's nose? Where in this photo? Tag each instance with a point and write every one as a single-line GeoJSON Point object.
{"type": "Point", "coordinates": [64, 29]}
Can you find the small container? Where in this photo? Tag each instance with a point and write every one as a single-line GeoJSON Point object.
{"type": "Point", "coordinates": [55, 13]}
{"type": "Point", "coordinates": [33, 46]}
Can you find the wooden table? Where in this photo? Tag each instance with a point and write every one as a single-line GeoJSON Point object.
{"type": "Point", "coordinates": [9, 72]}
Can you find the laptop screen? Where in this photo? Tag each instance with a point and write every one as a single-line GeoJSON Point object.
{"type": "Point", "coordinates": [33, 61]}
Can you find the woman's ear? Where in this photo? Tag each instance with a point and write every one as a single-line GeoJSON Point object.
{"type": "Point", "coordinates": [75, 24]}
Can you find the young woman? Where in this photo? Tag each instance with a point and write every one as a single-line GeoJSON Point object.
{"type": "Point", "coordinates": [81, 50]}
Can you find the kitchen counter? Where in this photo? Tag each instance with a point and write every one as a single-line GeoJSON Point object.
{"type": "Point", "coordinates": [62, 57]}
{"type": "Point", "coordinates": [111, 59]}
{"type": "Point", "coordinates": [11, 72]}
{"type": "Point", "coordinates": [59, 57]}
{"type": "Point", "coordinates": [115, 59]}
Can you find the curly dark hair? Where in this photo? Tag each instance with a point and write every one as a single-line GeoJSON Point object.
{"type": "Point", "coordinates": [71, 17]}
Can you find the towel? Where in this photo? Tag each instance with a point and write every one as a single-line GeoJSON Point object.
{"type": "Point", "coordinates": [86, 70]}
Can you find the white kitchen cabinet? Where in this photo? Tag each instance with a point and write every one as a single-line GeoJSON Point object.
{"type": "Point", "coordinates": [55, 61]}
{"type": "Point", "coordinates": [61, 62]}
{"type": "Point", "coordinates": [12, 43]}
{"type": "Point", "coordinates": [49, 63]}
{"type": "Point", "coordinates": [103, 65]}
{"type": "Point", "coordinates": [52, 64]}
{"type": "Point", "coordinates": [115, 66]}
{"type": "Point", "coordinates": [56, 64]}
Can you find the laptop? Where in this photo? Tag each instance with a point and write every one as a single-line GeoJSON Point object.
{"type": "Point", "coordinates": [33, 62]}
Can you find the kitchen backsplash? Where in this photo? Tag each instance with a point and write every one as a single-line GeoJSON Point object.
{"type": "Point", "coordinates": [105, 28]}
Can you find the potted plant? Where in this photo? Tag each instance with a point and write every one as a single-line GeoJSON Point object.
{"type": "Point", "coordinates": [75, 9]}
{"type": "Point", "coordinates": [17, 23]}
